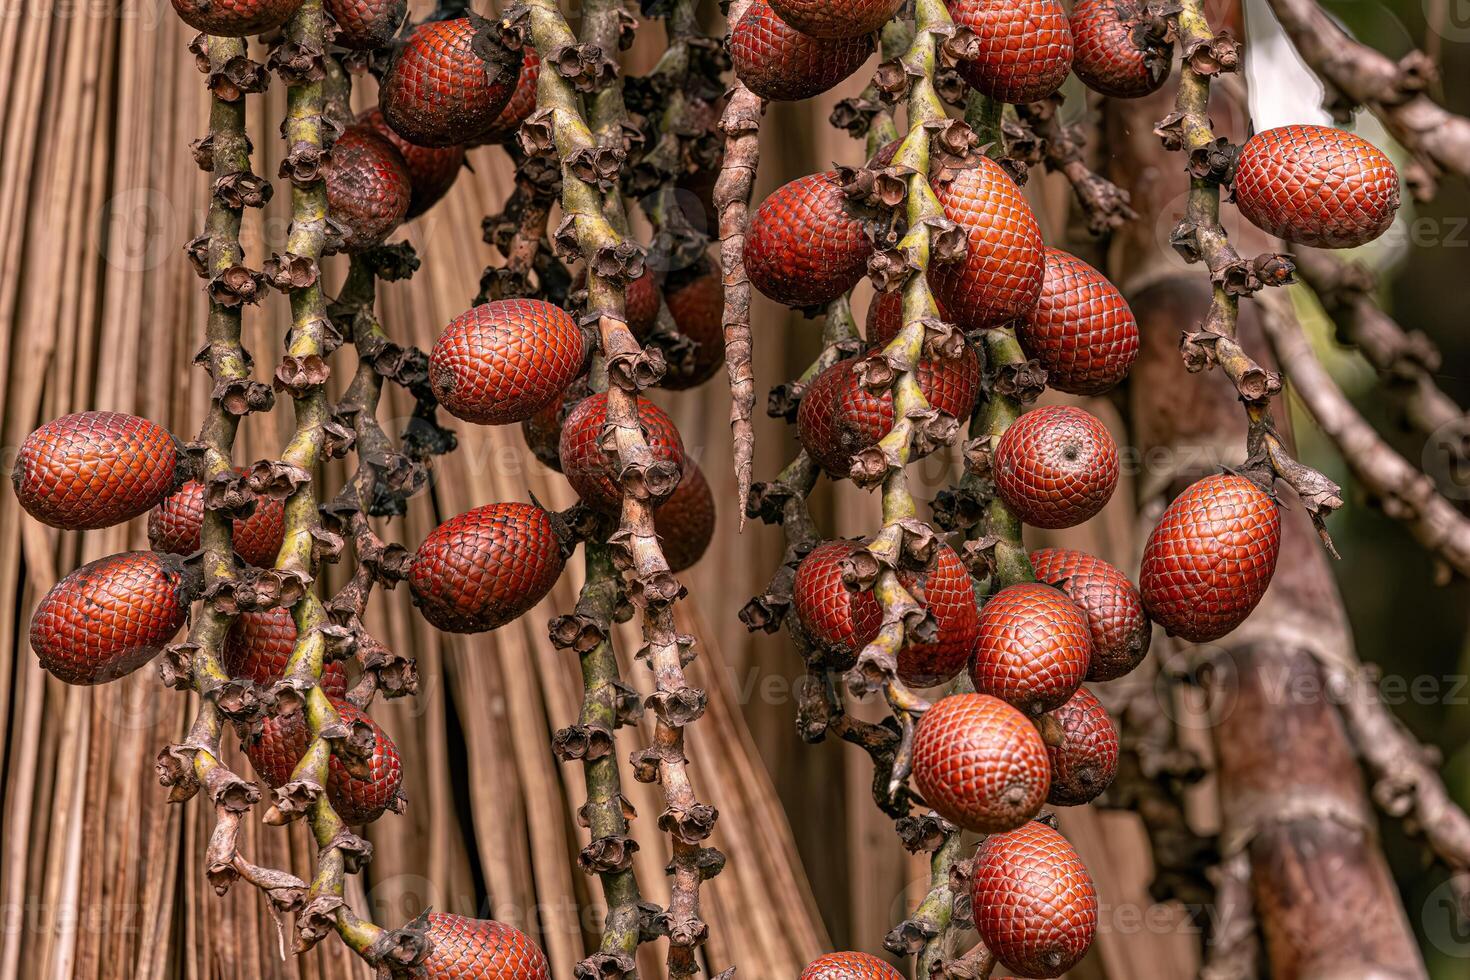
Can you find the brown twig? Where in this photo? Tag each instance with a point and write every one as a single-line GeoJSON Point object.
{"type": "Point", "coordinates": [1106, 205]}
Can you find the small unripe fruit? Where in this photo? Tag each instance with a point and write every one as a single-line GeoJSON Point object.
{"type": "Point", "coordinates": [686, 521]}
{"type": "Point", "coordinates": [980, 763]}
{"type": "Point", "coordinates": [1056, 466]}
{"type": "Point", "coordinates": [94, 469]}
{"type": "Point", "coordinates": [258, 647]}
{"type": "Point", "coordinates": [836, 19]}
{"type": "Point", "coordinates": [174, 526]}
{"type": "Point", "coordinates": [1109, 601]}
{"type": "Point", "coordinates": [368, 187]}
{"type": "Point", "coordinates": [1025, 47]}
{"type": "Point", "coordinates": [778, 62]}
{"type": "Point", "coordinates": [235, 18]}
{"type": "Point", "coordinates": [522, 102]}
{"type": "Point", "coordinates": [283, 740]}
{"type": "Point", "coordinates": [1113, 54]}
{"type": "Point", "coordinates": [1033, 647]}
{"type": "Point", "coordinates": [364, 25]}
{"type": "Point", "coordinates": [1081, 330]}
{"type": "Point", "coordinates": [593, 472]}
{"type": "Point", "coordinates": [504, 361]}
{"type": "Point", "coordinates": [849, 966]}
{"type": "Point", "coordinates": [1086, 760]}
{"type": "Point", "coordinates": [807, 244]}
{"type": "Point", "coordinates": [1035, 904]}
{"type": "Point", "coordinates": [999, 279]}
{"type": "Point", "coordinates": [448, 83]}
{"type": "Point", "coordinates": [480, 949]}
{"type": "Point", "coordinates": [432, 170]}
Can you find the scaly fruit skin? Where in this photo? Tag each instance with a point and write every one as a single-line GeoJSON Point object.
{"type": "Point", "coordinates": [259, 644]}
{"type": "Point", "coordinates": [836, 20]}
{"type": "Point", "coordinates": [486, 567]}
{"type": "Point", "coordinates": [364, 25]}
{"type": "Point", "coordinates": [1086, 761]}
{"type": "Point", "coordinates": [1033, 648]}
{"type": "Point", "coordinates": [806, 246]}
{"type": "Point", "coordinates": [980, 763]}
{"type": "Point", "coordinates": [1111, 55]}
{"type": "Point", "coordinates": [542, 431]}
{"type": "Point", "coordinates": [1056, 466]}
{"type": "Point", "coordinates": [1025, 47]}
{"type": "Point", "coordinates": [432, 170]}
{"type": "Point", "coordinates": [174, 526]}
{"type": "Point", "coordinates": [1316, 185]}
{"type": "Point", "coordinates": [522, 102]}
{"type": "Point", "coordinates": [698, 306]}
{"type": "Point", "coordinates": [778, 62]}
{"type": "Point", "coordinates": [368, 187]}
{"type": "Point", "coordinates": [235, 18]}
{"type": "Point", "coordinates": [480, 949]}
{"type": "Point", "coordinates": [1081, 330]}
{"type": "Point", "coordinates": [1108, 600]}
{"type": "Point", "coordinates": [999, 279]}
{"type": "Point", "coordinates": [835, 617]}
{"type": "Point", "coordinates": [838, 417]}
{"type": "Point", "coordinates": [1211, 557]}
{"type": "Point", "coordinates": [1035, 904]}
{"type": "Point", "coordinates": [94, 469]}
{"type": "Point", "coordinates": [504, 361]}
{"type": "Point", "coordinates": [592, 472]}
{"type": "Point", "coordinates": [641, 303]}
{"type": "Point", "coordinates": [849, 966]}
{"type": "Point", "coordinates": [109, 617]}
{"type": "Point", "coordinates": [449, 83]}
{"type": "Point", "coordinates": [686, 521]}
{"type": "Point", "coordinates": [885, 318]}
{"type": "Point", "coordinates": [282, 741]}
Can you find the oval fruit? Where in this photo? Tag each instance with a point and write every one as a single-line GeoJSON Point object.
{"type": "Point", "coordinates": [1033, 647]}
{"type": "Point", "coordinates": [258, 647]}
{"type": "Point", "coordinates": [94, 469]}
{"type": "Point", "coordinates": [282, 740]}
{"type": "Point", "coordinates": [1035, 904]}
{"type": "Point", "coordinates": [1025, 47]}
{"type": "Point", "coordinates": [174, 526]}
{"type": "Point", "coordinates": [686, 521]}
{"type": "Point", "coordinates": [364, 25]}
{"type": "Point", "coordinates": [836, 19]}
{"type": "Point", "coordinates": [1112, 52]}
{"type": "Point", "coordinates": [698, 309]}
{"type": "Point", "coordinates": [1056, 466]}
{"type": "Point", "coordinates": [834, 616]}
{"type": "Point", "coordinates": [368, 188]}
{"type": "Point", "coordinates": [980, 763]}
{"type": "Point", "coordinates": [592, 472]}
{"type": "Point", "coordinates": [449, 83]}
{"type": "Point", "coordinates": [776, 61]}
{"type": "Point", "coordinates": [481, 949]}
{"type": "Point", "coordinates": [807, 244]}
{"type": "Point", "coordinates": [504, 361]}
{"type": "Point", "coordinates": [999, 279]}
{"type": "Point", "coordinates": [1086, 761]}
{"type": "Point", "coordinates": [1081, 330]}
{"type": "Point", "coordinates": [885, 318]}
{"type": "Point", "coordinates": [1110, 603]}
{"type": "Point", "coordinates": [849, 966]}
{"type": "Point", "coordinates": [238, 19]}
{"type": "Point", "coordinates": [432, 170]}
{"type": "Point", "coordinates": [522, 102]}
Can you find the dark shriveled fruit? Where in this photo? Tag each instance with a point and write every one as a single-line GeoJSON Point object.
{"type": "Point", "coordinates": [776, 61]}
{"type": "Point", "coordinates": [364, 25]}
{"type": "Point", "coordinates": [1108, 600]}
{"type": "Point", "coordinates": [849, 966]}
{"type": "Point", "coordinates": [481, 949]}
{"type": "Point", "coordinates": [504, 361]}
{"type": "Point", "coordinates": [592, 471]}
{"type": "Point", "coordinates": [999, 278]}
{"type": "Point", "coordinates": [449, 83]}
{"type": "Point", "coordinates": [806, 244]}
{"type": "Point", "coordinates": [980, 763]}
{"type": "Point", "coordinates": [94, 469]}
{"type": "Point", "coordinates": [1086, 760]}
{"type": "Point", "coordinates": [1035, 904]}
{"type": "Point", "coordinates": [1081, 330]}
{"type": "Point", "coordinates": [1113, 54]}
{"type": "Point", "coordinates": [258, 647]}
{"type": "Point", "coordinates": [1033, 647]}
{"type": "Point", "coordinates": [1056, 466]}
{"type": "Point", "coordinates": [368, 187]}
{"type": "Point", "coordinates": [235, 18]}
{"type": "Point", "coordinates": [276, 750]}
{"type": "Point", "coordinates": [686, 521]}
{"type": "Point", "coordinates": [836, 19]}
{"type": "Point", "coordinates": [174, 526]}
{"type": "Point", "coordinates": [1025, 47]}
{"type": "Point", "coordinates": [432, 170]}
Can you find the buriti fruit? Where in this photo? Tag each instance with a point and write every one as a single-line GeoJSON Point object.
{"type": "Point", "coordinates": [1081, 330]}
{"type": "Point", "coordinates": [698, 307]}
{"type": "Point", "coordinates": [1108, 600]}
{"type": "Point", "coordinates": [364, 25]}
{"type": "Point", "coordinates": [449, 82]}
{"type": "Point", "coordinates": [283, 739]}
{"type": "Point", "coordinates": [1316, 185]}
{"type": "Point", "coordinates": [432, 170]}
{"type": "Point", "coordinates": [835, 617]}
{"type": "Point", "coordinates": [542, 431]}
{"type": "Point", "coordinates": [1113, 51]}
{"type": "Point", "coordinates": [94, 469]}
{"type": "Point", "coordinates": [640, 303]}
{"type": "Point", "coordinates": [686, 521]}
{"type": "Point", "coordinates": [885, 318]}
{"type": "Point", "coordinates": [1211, 557]}
{"type": "Point", "coordinates": [1056, 466]}
{"type": "Point", "coordinates": [480, 949]}
{"type": "Point", "coordinates": [836, 19]}
{"type": "Point", "coordinates": [1025, 47]}
{"type": "Point", "coordinates": [1035, 904]}
{"type": "Point", "coordinates": [1086, 760]}
{"type": "Point", "coordinates": [522, 102]}
{"type": "Point", "coordinates": [807, 244]}
{"type": "Point", "coordinates": [849, 966]}
{"type": "Point", "coordinates": [235, 18]}
{"type": "Point", "coordinates": [980, 763]}
{"type": "Point", "coordinates": [368, 188]}
{"type": "Point", "coordinates": [1032, 648]}
{"type": "Point", "coordinates": [593, 472]}
{"type": "Point", "coordinates": [777, 61]}
{"type": "Point", "coordinates": [174, 526]}
{"type": "Point", "coordinates": [109, 617]}
{"type": "Point", "coordinates": [486, 567]}
{"type": "Point", "coordinates": [505, 361]}
{"type": "Point", "coordinates": [258, 647]}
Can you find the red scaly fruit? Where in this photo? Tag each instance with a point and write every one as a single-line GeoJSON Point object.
{"type": "Point", "coordinates": [778, 62]}
{"type": "Point", "coordinates": [94, 469]}
{"type": "Point", "coordinates": [1035, 904]}
{"type": "Point", "coordinates": [980, 763]}
{"type": "Point", "coordinates": [432, 170]}
{"type": "Point", "coordinates": [364, 25]}
{"type": "Point", "coordinates": [1033, 648]}
{"type": "Point", "coordinates": [542, 431]}
{"type": "Point", "coordinates": [504, 361]}
{"type": "Point", "coordinates": [522, 102]}
{"type": "Point", "coordinates": [1086, 760]}
{"type": "Point", "coordinates": [174, 526]}
{"type": "Point", "coordinates": [686, 521]}
{"type": "Point", "coordinates": [1112, 606]}
{"type": "Point", "coordinates": [368, 187]}
{"type": "Point", "coordinates": [849, 966]}
{"type": "Point", "coordinates": [1025, 47]}
{"type": "Point", "coordinates": [1316, 185]}
{"type": "Point", "coordinates": [591, 471]}
{"type": "Point", "coordinates": [1081, 330]}
{"type": "Point", "coordinates": [1056, 466]}
{"type": "Point", "coordinates": [999, 279]}
{"type": "Point", "coordinates": [807, 244]}
{"type": "Point", "coordinates": [835, 617]}
{"type": "Point", "coordinates": [449, 82]}
{"type": "Point", "coordinates": [1211, 557]}
{"type": "Point", "coordinates": [282, 740]}
{"type": "Point", "coordinates": [885, 318]}
{"type": "Point", "coordinates": [640, 303]}
{"type": "Point", "coordinates": [235, 18]}
{"type": "Point", "coordinates": [480, 949]}
{"type": "Point", "coordinates": [1114, 51]}
{"type": "Point", "coordinates": [836, 19]}
{"type": "Point", "coordinates": [109, 617]}
{"type": "Point", "coordinates": [698, 308]}
{"type": "Point", "coordinates": [837, 417]}
{"type": "Point", "coordinates": [486, 567]}
{"type": "Point", "coordinates": [259, 645]}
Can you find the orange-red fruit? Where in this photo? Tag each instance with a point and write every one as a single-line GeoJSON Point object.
{"type": "Point", "coordinates": [449, 83]}
{"type": "Point", "coordinates": [686, 521]}
{"type": "Point", "coordinates": [885, 318]}
{"type": "Point", "coordinates": [1316, 185]}
{"type": "Point", "coordinates": [1081, 330]}
{"type": "Point", "coordinates": [1056, 466]}
{"type": "Point", "coordinates": [486, 567]}
{"type": "Point", "coordinates": [94, 469]}
{"type": "Point", "coordinates": [480, 949]}
{"type": "Point", "coordinates": [1035, 904]}
{"type": "Point", "coordinates": [806, 244]}
{"type": "Point", "coordinates": [368, 187]}
{"type": "Point", "coordinates": [777, 61]}
{"type": "Point", "coordinates": [1112, 606]}
{"type": "Point", "coordinates": [235, 18]}
{"type": "Point", "coordinates": [1211, 557]}
{"type": "Point", "coordinates": [698, 307]}
{"type": "Point", "coordinates": [522, 102]}
{"type": "Point", "coordinates": [836, 19]}
{"type": "Point", "coordinates": [366, 24]}
{"type": "Point", "coordinates": [1025, 47]}
{"type": "Point", "coordinates": [432, 170]}
{"type": "Point", "coordinates": [849, 966]}
{"type": "Point", "coordinates": [1112, 55]}
{"type": "Point", "coordinates": [504, 361]}
{"type": "Point", "coordinates": [109, 617]}
{"type": "Point", "coordinates": [174, 526]}
{"type": "Point", "coordinates": [283, 739]}
{"type": "Point", "coordinates": [834, 616]}
{"type": "Point", "coordinates": [980, 763]}
{"type": "Point", "coordinates": [838, 417]}
{"type": "Point", "coordinates": [641, 301]}
{"type": "Point", "coordinates": [1033, 647]}
{"type": "Point", "coordinates": [1086, 761]}
{"type": "Point", "coordinates": [591, 471]}
{"type": "Point", "coordinates": [259, 645]}
{"type": "Point", "coordinates": [999, 279]}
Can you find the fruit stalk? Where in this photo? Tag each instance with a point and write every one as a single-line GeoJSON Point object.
{"type": "Point", "coordinates": [1106, 204]}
